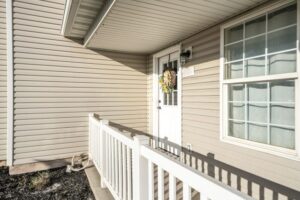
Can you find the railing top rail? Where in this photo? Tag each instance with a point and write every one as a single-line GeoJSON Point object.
{"type": "Point", "coordinates": [128, 141]}
{"type": "Point", "coordinates": [193, 178]}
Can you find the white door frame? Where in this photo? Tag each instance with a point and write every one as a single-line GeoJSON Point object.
{"type": "Point", "coordinates": [155, 86]}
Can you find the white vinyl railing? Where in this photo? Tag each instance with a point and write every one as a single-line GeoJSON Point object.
{"type": "Point", "coordinates": [131, 169]}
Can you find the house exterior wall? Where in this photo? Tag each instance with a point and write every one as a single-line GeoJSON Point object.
{"type": "Point", "coordinates": [201, 117]}
{"type": "Point", "coordinates": [3, 80]}
{"type": "Point", "coordinates": [57, 82]}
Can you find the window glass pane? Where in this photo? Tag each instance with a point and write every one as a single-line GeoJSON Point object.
{"type": "Point", "coordinates": [237, 111]}
{"type": "Point", "coordinates": [283, 137]}
{"type": "Point", "coordinates": [170, 98]}
{"type": "Point", "coordinates": [234, 34]}
{"type": "Point", "coordinates": [255, 67]}
{"type": "Point", "coordinates": [282, 63]}
{"type": "Point", "coordinates": [258, 133]}
{"type": "Point", "coordinates": [234, 52]}
{"type": "Point", "coordinates": [236, 92]}
{"type": "Point", "coordinates": [255, 27]}
{"type": "Point", "coordinates": [257, 92]}
{"type": "Point", "coordinates": [236, 129]}
{"type": "Point", "coordinates": [165, 99]}
{"type": "Point", "coordinates": [255, 46]}
{"type": "Point", "coordinates": [175, 98]}
{"type": "Point", "coordinates": [283, 114]}
{"type": "Point", "coordinates": [258, 113]}
{"type": "Point", "coordinates": [282, 40]}
{"type": "Point", "coordinates": [234, 70]}
{"type": "Point", "coordinates": [283, 91]}
{"type": "Point", "coordinates": [282, 17]}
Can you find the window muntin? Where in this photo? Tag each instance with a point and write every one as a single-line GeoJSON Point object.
{"type": "Point", "coordinates": [262, 111]}
{"type": "Point", "coordinates": [262, 40]}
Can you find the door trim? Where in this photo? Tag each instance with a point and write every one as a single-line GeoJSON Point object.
{"type": "Point", "coordinates": [155, 113]}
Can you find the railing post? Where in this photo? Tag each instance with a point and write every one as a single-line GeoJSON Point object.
{"type": "Point", "coordinates": [139, 169]}
{"type": "Point", "coordinates": [91, 115]}
{"type": "Point", "coordinates": [103, 148]}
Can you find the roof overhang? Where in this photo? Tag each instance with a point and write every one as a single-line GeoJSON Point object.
{"type": "Point", "coordinates": [144, 27]}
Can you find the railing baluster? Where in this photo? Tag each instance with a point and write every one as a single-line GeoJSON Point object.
{"type": "Point", "coordinates": [110, 159]}
{"type": "Point", "coordinates": [124, 182]}
{"type": "Point", "coordinates": [120, 168]}
{"type": "Point", "coordinates": [160, 178]}
{"type": "Point", "coordinates": [172, 187]}
{"type": "Point", "coordinates": [203, 196]}
{"type": "Point", "coordinates": [113, 163]}
{"type": "Point", "coordinates": [129, 181]}
{"type": "Point", "coordinates": [186, 192]}
{"type": "Point", "coordinates": [150, 180]}
{"type": "Point", "coordinates": [107, 156]}
{"type": "Point", "coordinates": [116, 165]}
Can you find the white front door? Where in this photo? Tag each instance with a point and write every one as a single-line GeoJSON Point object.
{"type": "Point", "coordinates": [169, 113]}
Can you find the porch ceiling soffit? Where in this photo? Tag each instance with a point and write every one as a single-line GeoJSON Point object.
{"type": "Point", "coordinates": [146, 26]}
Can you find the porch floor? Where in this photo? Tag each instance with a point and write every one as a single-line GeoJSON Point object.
{"type": "Point", "coordinates": [94, 180]}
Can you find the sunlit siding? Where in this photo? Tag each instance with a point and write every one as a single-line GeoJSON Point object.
{"type": "Point", "coordinates": [3, 90]}
{"type": "Point", "coordinates": [201, 118]}
{"type": "Point", "coordinates": [58, 82]}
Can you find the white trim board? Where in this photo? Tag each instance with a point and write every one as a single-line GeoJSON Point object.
{"type": "Point", "coordinates": [10, 82]}
{"type": "Point", "coordinates": [155, 125]}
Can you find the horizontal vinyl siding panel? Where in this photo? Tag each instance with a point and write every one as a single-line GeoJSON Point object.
{"type": "Point", "coordinates": [3, 81]}
{"type": "Point", "coordinates": [201, 117]}
{"type": "Point", "coordinates": [57, 83]}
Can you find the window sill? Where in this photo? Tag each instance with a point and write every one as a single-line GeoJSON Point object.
{"type": "Point", "coordinates": [277, 151]}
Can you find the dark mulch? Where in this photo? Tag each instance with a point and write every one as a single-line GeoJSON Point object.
{"type": "Point", "coordinates": [59, 186]}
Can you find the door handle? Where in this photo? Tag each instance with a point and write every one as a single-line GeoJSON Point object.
{"type": "Point", "coordinates": [158, 107]}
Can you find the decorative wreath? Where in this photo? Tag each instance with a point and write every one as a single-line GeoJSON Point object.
{"type": "Point", "coordinates": [167, 81]}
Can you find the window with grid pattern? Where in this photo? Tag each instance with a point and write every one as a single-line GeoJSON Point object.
{"type": "Point", "coordinates": [260, 78]}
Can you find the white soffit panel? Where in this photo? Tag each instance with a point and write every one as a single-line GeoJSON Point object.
{"type": "Point", "coordinates": [81, 16]}
{"type": "Point", "coordinates": [145, 26]}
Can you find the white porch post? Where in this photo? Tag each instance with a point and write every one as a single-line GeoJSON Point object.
{"type": "Point", "coordinates": [139, 169]}
{"type": "Point", "coordinates": [103, 151]}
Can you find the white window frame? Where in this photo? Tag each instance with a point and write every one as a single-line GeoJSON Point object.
{"type": "Point", "coordinates": [266, 148]}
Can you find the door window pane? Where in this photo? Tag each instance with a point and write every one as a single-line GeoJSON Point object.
{"type": "Point", "coordinates": [282, 40]}
{"type": "Point", "coordinates": [234, 70]}
{"type": "Point", "coordinates": [237, 92]}
{"type": "Point", "coordinates": [236, 129]}
{"type": "Point", "coordinates": [255, 27]}
{"type": "Point", "coordinates": [282, 63]}
{"type": "Point", "coordinates": [282, 17]}
{"type": "Point", "coordinates": [257, 92]}
{"type": "Point", "coordinates": [283, 137]}
{"type": "Point", "coordinates": [234, 34]}
{"type": "Point", "coordinates": [255, 46]}
{"type": "Point", "coordinates": [283, 114]}
{"type": "Point", "coordinates": [255, 67]}
{"type": "Point", "coordinates": [278, 88]}
{"type": "Point", "coordinates": [258, 113]}
{"type": "Point", "coordinates": [237, 111]}
{"type": "Point", "coordinates": [258, 133]}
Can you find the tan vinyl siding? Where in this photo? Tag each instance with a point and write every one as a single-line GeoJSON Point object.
{"type": "Point", "coordinates": [58, 82]}
{"type": "Point", "coordinates": [3, 79]}
{"type": "Point", "coordinates": [201, 117]}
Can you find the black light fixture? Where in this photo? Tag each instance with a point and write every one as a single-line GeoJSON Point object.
{"type": "Point", "coordinates": [185, 55]}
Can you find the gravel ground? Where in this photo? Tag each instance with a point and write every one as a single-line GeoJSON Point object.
{"type": "Point", "coordinates": [53, 184]}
